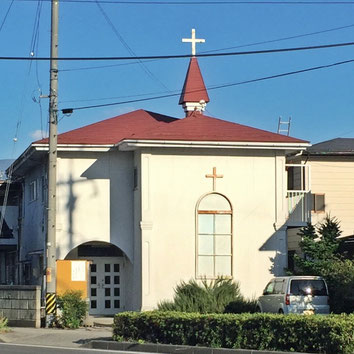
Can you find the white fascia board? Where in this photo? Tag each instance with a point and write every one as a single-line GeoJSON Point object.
{"type": "Point", "coordinates": [127, 145]}
{"type": "Point", "coordinates": [61, 147]}
{"type": "Point", "coordinates": [76, 147]}
{"type": "Point", "coordinates": [21, 159]}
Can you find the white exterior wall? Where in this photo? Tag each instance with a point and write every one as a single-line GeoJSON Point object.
{"type": "Point", "coordinates": [95, 203]}
{"type": "Point", "coordinates": [155, 224]}
{"type": "Point", "coordinates": [172, 183]}
{"type": "Point", "coordinates": [95, 200]}
{"type": "Point", "coordinates": [334, 177]}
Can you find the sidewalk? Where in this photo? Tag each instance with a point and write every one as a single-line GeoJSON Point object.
{"type": "Point", "coordinates": [71, 338]}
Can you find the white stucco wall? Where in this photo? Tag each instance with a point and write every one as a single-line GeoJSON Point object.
{"type": "Point", "coordinates": [95, 200]}
{"type": "Point", "coordinates": [172, 183]}
{"type": "Point", "coordinates": [154, 224]}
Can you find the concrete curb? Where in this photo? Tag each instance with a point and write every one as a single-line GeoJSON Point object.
{"type": "Point", "coordinates": [167, 348]}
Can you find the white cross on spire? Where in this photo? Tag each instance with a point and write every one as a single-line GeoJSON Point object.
{"type": "Point", "coordinates": [193, 40]}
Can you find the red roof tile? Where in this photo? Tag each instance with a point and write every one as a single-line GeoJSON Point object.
{"type": "Point", "coordinates": [194, 89]}
{"type": "Point", "coordinates": [144, 125]}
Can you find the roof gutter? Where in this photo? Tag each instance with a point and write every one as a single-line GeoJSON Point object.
{"type": "Point", "coordinates": [76, 147]}
{"type": "Point", "coordinates": [128, 144]}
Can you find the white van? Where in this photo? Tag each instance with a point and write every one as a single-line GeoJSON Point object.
{"type": "Point", "coordinates": [295, 294]}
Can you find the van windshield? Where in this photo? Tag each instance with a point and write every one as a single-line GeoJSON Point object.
{"type": "Point", "coordinates": [308, 287]}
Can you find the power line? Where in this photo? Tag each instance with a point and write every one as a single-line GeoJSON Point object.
{"type": "Point", "coordinates": [117, 2]}
{"type": "Point", "coordinates": [281, 39]}
{"type": "Point", "coordinates": [180, 56]}
{"type": "Point", "coordinates": [220, 49]}
{"type": "Point", "coordinates": [6, 14]}
{"type": "Point", "coordinates": [217, 86]}
{"type": "Point", "coordinates": [126, 45]}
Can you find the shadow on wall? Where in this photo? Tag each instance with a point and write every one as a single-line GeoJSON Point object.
{"type": "Point", "coordinates": [277, 243]}
{"type": "Point", "coordinates": [72, 198]}
{"type": "Point", "coordinates": [299, 215]}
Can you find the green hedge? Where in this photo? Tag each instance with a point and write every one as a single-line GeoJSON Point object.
{"type": "Point", "coordinates": [312, 334]}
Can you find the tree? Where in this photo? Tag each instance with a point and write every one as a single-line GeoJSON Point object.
{"type": "Point", "coordinates": [321, 256]}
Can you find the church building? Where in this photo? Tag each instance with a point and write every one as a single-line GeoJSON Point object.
{"type": "Point", "coordinates": [149, 200]}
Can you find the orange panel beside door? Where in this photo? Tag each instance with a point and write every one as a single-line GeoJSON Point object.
{"type": "Point", "coordinates": [72, 275]}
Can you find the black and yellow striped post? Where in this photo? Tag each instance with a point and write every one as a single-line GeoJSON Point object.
{"type": "Point", "coordinates": [50, 303]}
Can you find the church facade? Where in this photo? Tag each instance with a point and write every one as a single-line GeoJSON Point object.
{"type": "Point", "coordinates": [150, 200]}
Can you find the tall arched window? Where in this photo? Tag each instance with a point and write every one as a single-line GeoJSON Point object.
{"type": "Point", "coordinates": [214, 236]}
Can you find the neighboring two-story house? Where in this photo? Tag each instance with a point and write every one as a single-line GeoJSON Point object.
{"type": "Point", "coordinates": [9, 227]}
{"type": "Point", "coordinates": [329, 166]}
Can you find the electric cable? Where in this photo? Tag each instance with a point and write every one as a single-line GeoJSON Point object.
{"type": "Point", "coordinates": [181, 56]}
{"type": "Point", "coordinates": [218, 86]}
{"type": "Point", "coordinates": [217, 50]}
{"type": "Point", "coordinates": [130, 51]}
{"type": "Point", "coordinates": [118, 2]}
{"type": "Point", "coordinates": [19, 120]}
{"type": "Point", "coordinates": [7, 188]}
{"type": "Point", "coordinates": [6, 14]}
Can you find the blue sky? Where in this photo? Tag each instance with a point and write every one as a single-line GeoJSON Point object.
{"type": "Point", "coordinates": [320, 103]}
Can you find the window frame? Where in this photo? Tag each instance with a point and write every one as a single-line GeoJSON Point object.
{"type": "Point", "coordinates": [313, 203]}
{"type": "Point", "coordinates": [197, 235]}
{"type": "Point", "coordinates": [33, 190]}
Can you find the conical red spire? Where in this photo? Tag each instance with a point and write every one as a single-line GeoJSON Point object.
{"type": "Point", "coordinates": [194, 94]}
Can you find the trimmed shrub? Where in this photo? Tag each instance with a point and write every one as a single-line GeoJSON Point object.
{"type": "Point", "coordinates": [206, 297]}
{"type": "Point", "coordinates": [311, 334]}
{"type": "Point", "coordinates": [72, 309]}
{"type": "Point", "coordinates": [241, 305]}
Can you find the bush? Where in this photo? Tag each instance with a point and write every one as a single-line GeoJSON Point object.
{"type": "Point", "coordinates": [3, 324]}
{"type": "Point", "coordinates": [72, 309]}
{"type": "Point", "coordinates": [241, 305]}
{"type": "Point", "coordinates": [311, 334]}
{"type": "Point", "coordinates": [206, 297]}
{"type": "Point", "coordinates": [320, 246]}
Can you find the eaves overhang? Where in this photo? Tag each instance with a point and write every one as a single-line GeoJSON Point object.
{"type": "Point", "coordinates": [330, 153]}
{"type": "Point", "coordinates": [76, 147]}
{"type": "Point", "coordinates": [35, 151]}
{"type": "Point", "coordinates": [130, 145]}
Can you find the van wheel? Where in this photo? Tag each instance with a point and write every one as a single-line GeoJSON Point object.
{"type": "Point", "coordinates": [258, 309]}
{"type": "Point", "coordinates": [281, 312]}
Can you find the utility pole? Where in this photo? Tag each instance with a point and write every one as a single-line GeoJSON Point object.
{"type": "Point", "coordinates": [52, 166]}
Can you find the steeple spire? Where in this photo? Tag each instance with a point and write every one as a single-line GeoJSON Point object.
{"type": "Point", "coordinates": [194, 96]}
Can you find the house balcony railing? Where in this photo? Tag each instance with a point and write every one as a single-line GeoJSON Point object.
{"type": "Point", "coordinates": [299, 207]}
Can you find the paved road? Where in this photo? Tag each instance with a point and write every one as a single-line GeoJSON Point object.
{"type": "Point", "coordinates": [55, 337]}
{"type": "Point", "coordinates": [6, 348]}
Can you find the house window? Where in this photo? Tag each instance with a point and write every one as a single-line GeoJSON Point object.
{"type": "Point", "coordinates": [318, 203]}
{"type": "Point", "coordinates": [33, 191]}
{"type": "Point", "coordinates": [135, 178]}
{"type": "Point", "coordinates": [214, 237]}
{"type": "Point", "coordinates": [44, 194]}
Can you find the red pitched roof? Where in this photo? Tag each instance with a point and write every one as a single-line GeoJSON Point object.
{"type": "Point", "coordinates": [194, 89]}
{"type": "Point", "coordinates": [144, 125]}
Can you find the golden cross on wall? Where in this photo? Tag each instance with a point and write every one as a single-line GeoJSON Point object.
{"type": "Point", "coordinates": [193, 40]}
{"type": "Point", "coordinates": [214, 176]}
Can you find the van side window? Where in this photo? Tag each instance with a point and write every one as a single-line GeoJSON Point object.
{"type": "Point", "coordinates": [278, 287]}
{"type": "Point", "coordinates": [269, 288]}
